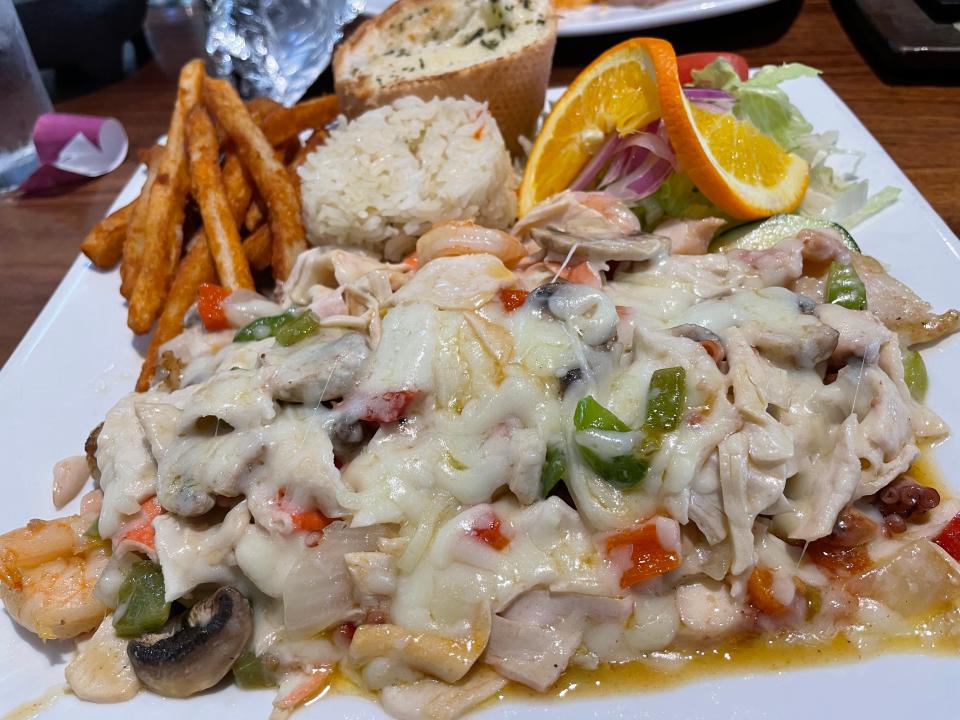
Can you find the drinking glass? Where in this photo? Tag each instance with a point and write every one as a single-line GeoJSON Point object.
{"type": "Point", "coordinates": [24, 100]}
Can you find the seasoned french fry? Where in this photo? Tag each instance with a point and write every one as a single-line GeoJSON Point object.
{"type": "Point", "coordinates": [287, 123]}
{"type": "Point", "coordinates": [269, 175]}
{"type": "Point", "coordinates": [164, 229]}
{"type": "Point", "coordinates": [237, 185]}
{"type": "Point", "coordinates": [196, 268]}
{"type": "Point", "coordinates": [254, 217]}
{"type": "Point", "coordinates": [258, 248]}
{"type": "Point", "coordinates": [257, 244]}
{"type": "Point", "coordinates": [104, 243]}
{"type": "Point", "coordinates": [150, 154]}
{"type": "Point", "coordinates": [136, 229]}
{"type": "Point", "coordinates": [260, 107]}
{"type": "Point", "coordinates": [219, 227]}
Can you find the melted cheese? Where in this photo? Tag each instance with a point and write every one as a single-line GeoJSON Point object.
{"type": "Point", "coordinates": [439, 430]}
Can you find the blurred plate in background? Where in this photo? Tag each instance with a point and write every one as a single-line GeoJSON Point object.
{"type": "Point", "coordinates": [599, 18]}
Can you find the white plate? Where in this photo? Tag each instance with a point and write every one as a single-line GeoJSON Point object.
{"type": "Point", "coordinates": [78, 359]}
{"type": "Point", "coordinates": [599, 19]}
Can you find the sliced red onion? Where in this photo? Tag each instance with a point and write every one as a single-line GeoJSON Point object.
{"type": "Point", "coordinates": [585, 178]}
{"type": "Point", "coordinates": [695, 93]}
{"type": "Point", "coordinates": [649, 183]}
{"type": "Point", "coordinates": [623, 163]}
{"type": "Point", "coordinates": [636, 165]}
{"type": "Point", "coordinates": [653, 142]}
{"type": "Point", "coordinates": [710, 99]}
{"type": "Point", "coordinates": [642, 182]}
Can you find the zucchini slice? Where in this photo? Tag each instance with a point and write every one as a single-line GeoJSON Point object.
{"type": "Point", "coordinates": [764, 234]}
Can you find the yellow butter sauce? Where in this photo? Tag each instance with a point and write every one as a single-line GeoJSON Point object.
{"type": "Point", "coordinates": [938, 634]}
{"type": "Point", "coordinates": [33, 708]}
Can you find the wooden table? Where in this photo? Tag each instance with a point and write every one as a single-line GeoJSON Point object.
{"type": "Point", "coordinates": [918, 125]}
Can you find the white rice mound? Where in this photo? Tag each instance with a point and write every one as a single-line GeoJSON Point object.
{"type": "Point", "coordinates": [388, 175]}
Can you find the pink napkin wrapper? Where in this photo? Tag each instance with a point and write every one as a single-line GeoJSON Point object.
{"type": "Point", "coordinates": [71, 148]}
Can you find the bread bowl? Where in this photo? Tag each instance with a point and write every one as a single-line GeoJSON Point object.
{"type": "Point", "coordinates": [498, 51]}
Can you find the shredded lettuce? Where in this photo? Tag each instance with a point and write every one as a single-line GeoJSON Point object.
{"type": "Point", "coordinates": [836, 192]}
{"type": "Point", "coordinates": [677, 197]}
{"type": "Point", "coordinates": [874, 204]}
{"type": "Point", "coordinates": [760, 98]}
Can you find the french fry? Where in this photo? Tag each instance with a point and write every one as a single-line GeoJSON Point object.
{"type": "Point", "coordinates": [164, 230]}
{"type": "Point", "coordinates": [219, 227]}
{"type": "Point", "coordinates": [257, 244]}
{"type": "Point", "coordinates": [257, 247]}
{"type": "Point", "coordinates": [196, 268]}
{"type": "Point", "coordinates": [287, 123]}
{"type": "Point", "coordinates": [269, 175]}
{"type": "Point", "coordinates": [254, 217]}
{"type": "Point", "coordinates": [136, 229]}
{"type": "Point", "coordinates": [104, 243]}
{"type": "Point", "coordinates": [236, 183]}
{"type": "Point", "coordinates": [260, 107]}
{"type": "Point", "coordinates": [284, 126]}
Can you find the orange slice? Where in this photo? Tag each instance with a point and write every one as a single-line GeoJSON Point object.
{"type": "Point", "coordinates": [617, 91]}
{"type": "Point", "coordinates": [739, 169]}
{"type": "Point", "coordinates": [743, 172]}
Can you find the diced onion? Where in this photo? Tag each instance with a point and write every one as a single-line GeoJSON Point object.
{"type": "Point", "coordinates": [608, 444]}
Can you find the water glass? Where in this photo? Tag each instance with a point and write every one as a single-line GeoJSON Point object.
{"type": "Point", "coordinates": [24, 100]}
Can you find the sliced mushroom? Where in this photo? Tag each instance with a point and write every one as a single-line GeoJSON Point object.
{"type": "Point", "coordinates": [637, 247]}
{"type": "Point", "coordinates": [198, 653]}
{"type": "Point", "coordinates": [588, 312]}
{"type": "Point", "coordinates": [710, 341]}
{"type": "Point", "coordinates": [570, 377]}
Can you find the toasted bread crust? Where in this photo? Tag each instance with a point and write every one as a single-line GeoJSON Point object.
{"type": "Point", "coordinates": [514, 85]}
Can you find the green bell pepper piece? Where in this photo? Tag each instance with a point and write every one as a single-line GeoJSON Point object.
{"type": "Point", "coordinates": [915, 374]}
{"type": "Point", "coordinates": [845, 288]}
{"type": "Point", "coordinates": [301, 327]}
{"type": "Point", "coordinates": [624, 471]}
{"type": "Point", "coordinates": [554, 468]}
{"type": "Point", "coordinates": [591, 414]}
{"type": "Point", "coordinates": [251, 672]}
{"type": "Point", "coordinates": [93, 532]}
{"type": "Point", "coordinates": [666, 399]}
{"type": "Point", "coordinates": [264, 327]}
{"type": "Point", "coordinates": [142, 608]}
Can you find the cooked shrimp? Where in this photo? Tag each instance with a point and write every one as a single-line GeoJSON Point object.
{"type": "Point", "coordinates": [47, 573]}
{"type": "Point", "coordinates": [465, 238]}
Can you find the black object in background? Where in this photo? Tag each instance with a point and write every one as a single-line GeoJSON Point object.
{"type": "Point", "coordinates": [83, 39]}
{"type": "Point", "coordinates": [903, 38]}
{"type": "Point", "coordinates": [942, 10]}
